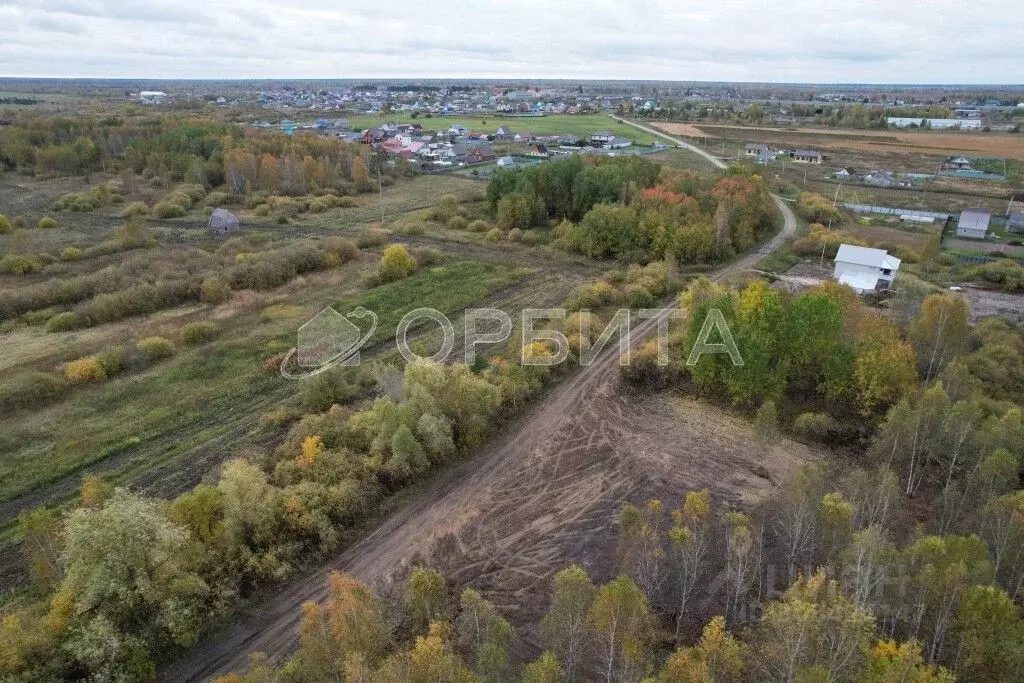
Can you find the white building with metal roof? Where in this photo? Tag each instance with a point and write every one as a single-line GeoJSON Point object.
{"type": "Point", "coordinates": [865, 269]}
{"type": "Point", "coordinates": [973, 224]}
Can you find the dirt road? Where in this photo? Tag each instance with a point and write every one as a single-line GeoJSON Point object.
{"type": "Point", "coordinates": [680, 143]}
{"type": "Point", "coordinates": [542, 495]}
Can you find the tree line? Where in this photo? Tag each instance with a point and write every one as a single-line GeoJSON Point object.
{"type": "Point", "coordinates": [633, 209]}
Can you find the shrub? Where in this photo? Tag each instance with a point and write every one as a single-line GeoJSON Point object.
{"type": "Point", "coordinates": [214, 290]}
{"type": "Point", "coordinates": [373, 237]}
{"type": "Point", "coordinates": [325, 389]}
{"type": "Point", "coordinates": [86, 369]}
{"type": "Point", "coordinates": [5, 225]}
{"type": "Point", "coordinates": [38, 317]}
{"type": "Point", "coordinates": [478, 226]}
{"type": "Point", "coordinates": [30, 389]}
{"type": "Point", "coordinates": [446, 209]}
{"type": "Point", "coordinates": [281, 220]}
{"type": "Point", "coordinates": [216, 199]}
{"type": "Point", "coordinates": [426, 256]}
{"type": "Point", "coordinates": [65, 322]}
{"type": "Point", "coordinates": [1007, 274]}
{"type": "Point", "coordinates": [166, 209]}
{"type": "Point", "coordinates": [78, 202]}
{"type": "Point", "coordinates": [906, 254]}
{"type": "Point", "coordinates": [19, 264]}
{"type": "Point", "coordinates": [410, 229]}
{"type": "Point", "coordinates": [530, 238]}
{"type": "Point", "coordinates": [112, 360]}
{"type": "Point", "coordinates": [493, 235]}
{"type": "Point", "coordinates": [817, 209]}
{"type": "Point", "coordinates": [156, 348]}
{"type": "Point", "coordinates": [70, 254]}
{"type": "Point", "coordinates": [592, 296]}
{"type": "Point", "coordinates": [135, 209]}
{"type": "Point", "coordinates": [198, 333]}
{"type": "Point", "coordinates": [19, 223]}
{"type": "Point", "coordinates": [458, 223]}
{"type": "Point", "coordinates": [815, 425]}
{"type": "Point", "coordinates": [515, 234]}
{"type": "Point", "coordinates": [344, 250]}
{"type": "Point", "coordinates": [396, 263]}
{"type": "Point", "coordinates": [47, 223]}
{"type": "Point", "coordinates": [520, 211]}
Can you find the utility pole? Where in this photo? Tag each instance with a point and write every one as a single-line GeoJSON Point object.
{"type": "Point", "coordinates": [380, 182]}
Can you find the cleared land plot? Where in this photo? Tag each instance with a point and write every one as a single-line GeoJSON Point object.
{"type": "Point", "coordinates": [880, 234]}
{"type": "Point", "coordinates": [543, 497]}
{"type": "Point", "coordinates": [980, 144]}
{"type": "Point", "coordinates": [686, 130]}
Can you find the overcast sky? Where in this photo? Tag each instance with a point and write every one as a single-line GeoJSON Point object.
{"type": "Point", "coordinates": [884, 41]}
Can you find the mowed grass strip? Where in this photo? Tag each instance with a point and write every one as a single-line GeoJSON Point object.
{"type": "Point", "coordinates": [448, 288]}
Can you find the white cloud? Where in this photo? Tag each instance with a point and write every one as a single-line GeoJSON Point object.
{"type": "Point", "coordinates": [946, 41]}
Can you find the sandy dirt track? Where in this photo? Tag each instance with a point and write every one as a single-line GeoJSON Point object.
{"type": "Point", "coordinates": [544, 494]}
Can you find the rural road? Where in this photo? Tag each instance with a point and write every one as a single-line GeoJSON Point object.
{"type": "Point", "coordinates": [680, 143]}
{"type": "Point", "coordinates": [452, 504]}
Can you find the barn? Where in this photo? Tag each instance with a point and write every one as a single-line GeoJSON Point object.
{"type": "Point", "coordinates": [223, 222]}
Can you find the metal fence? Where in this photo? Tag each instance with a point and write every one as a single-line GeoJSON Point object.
{"type": "Point", "coordinates": [868, 208]}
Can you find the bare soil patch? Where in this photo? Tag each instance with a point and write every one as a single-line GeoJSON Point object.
{"type": "Point", "coordinates": [988, 304]}
{"type": "Point", "coordinates": [687, 130]}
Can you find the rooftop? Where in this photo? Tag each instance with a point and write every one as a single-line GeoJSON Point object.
{"type": "Point", "coordinates": [866, 256]}
{"type": "Point", "coordinates": [974, 219]}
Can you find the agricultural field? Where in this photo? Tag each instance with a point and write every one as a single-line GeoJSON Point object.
{"type": "Point", "coordinates": [926, 143]}
{"type": "Point", "coordinates": [900, 152]}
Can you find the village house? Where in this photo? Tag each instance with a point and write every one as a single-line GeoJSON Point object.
{"type": "Point", "coordinates": [374, 135]}
{"type": "Point", "coordinates": [973, 224]}
{"type": "Point", "coordinates": [506, 162]}
{"type": "Point", "coordinates": [539, 150]}
{"type": "Point", "coordinates": [865, 269]}
{"type": "Point", "coordinates": [848, 172]}
{"type": "Point", "coordinates": [601, 139]}
{"type": "Point", "coordinates": [880, 178]}
{"type": "Point", "coordinates": [959, 164]}
{"type": "Point", "coordinates": [478, 154]}
{"type": "Point", "coordinates": [618, 143]}
{"type": "Point", "coordinates": [503, 133]}
{"type": "Point", "coordinates": [806, 156]}
{"type": "Point", "coordinates": [753, 149]}
{"type": "Point", "coordinates": [524, 137]}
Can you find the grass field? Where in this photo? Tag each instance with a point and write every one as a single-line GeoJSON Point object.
{"type": "Point", "coordinates": [555, 124]}
{"type": "Point", "coordinates": [154, 416]}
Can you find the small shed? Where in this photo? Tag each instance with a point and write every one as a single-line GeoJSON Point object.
{"type": "Point", "coordinates": [973, 224]}
{"type": "Point", "coordinates": [223, 222]}
{"type": "Point", "coordinates": [1015, 222]}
